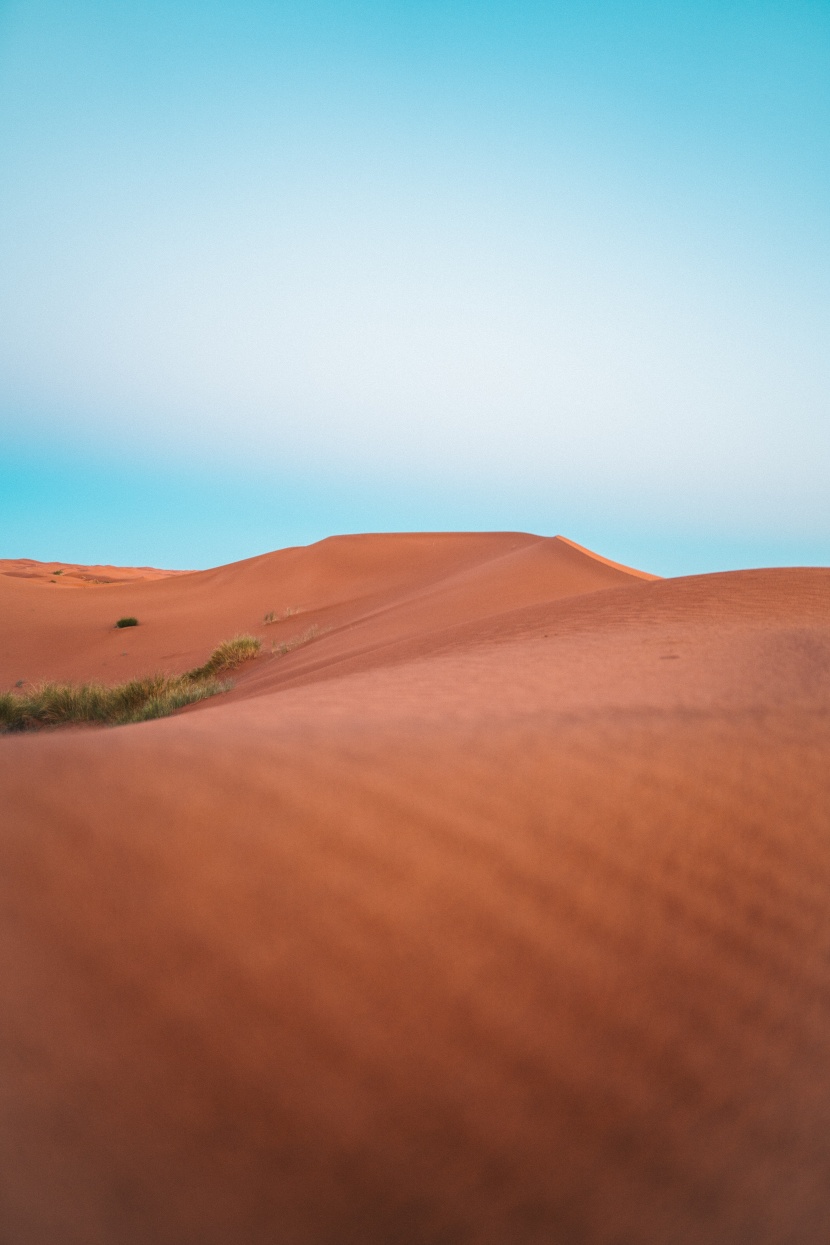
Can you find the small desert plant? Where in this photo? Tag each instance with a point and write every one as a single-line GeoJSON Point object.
{"type": "Point", "coordinates": [229, 654]}
{"type": "Point", "coordinates": [297, 641]}
{"type": "Point", "coordinates": [273, 617]}
{"type": "Point", "coordinates": [127, 622]}
{"type": "Point", "coordinates": [55, 704]}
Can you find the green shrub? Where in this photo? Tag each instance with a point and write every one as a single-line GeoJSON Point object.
{"type": "Point", "coordinates": [127, 622]}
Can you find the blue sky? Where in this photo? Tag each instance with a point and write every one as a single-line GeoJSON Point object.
{"type": "Point", "coordinates": [271, 271]}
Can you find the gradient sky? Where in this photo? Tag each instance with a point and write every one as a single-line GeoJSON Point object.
{"type": "Point", "coordinates": [271, 271]}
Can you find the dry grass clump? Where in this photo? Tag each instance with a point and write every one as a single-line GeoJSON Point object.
{"type": "Point", "coordinates": [229, 654]}
{"type": "Point", "coordinates": [60, 704]}
{"type": "Point", "coordinates": [56, 704]}
{"type": "Point", "coordinates": [289, 612]}
{"type": "Point", "coordinates": [297, 641]}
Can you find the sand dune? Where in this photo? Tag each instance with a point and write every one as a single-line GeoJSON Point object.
{"type": "Point", "coordinates": [430, 579]}
{"type": "Point", "coordinates": [495, 912]}
{"type": "Point", "coordinates": [75, 573]}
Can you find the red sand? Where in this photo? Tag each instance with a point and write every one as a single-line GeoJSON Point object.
{"type": "Point", "coordinates": [500, 912]}
{"type": "Point", "coordinates": [75, 573]}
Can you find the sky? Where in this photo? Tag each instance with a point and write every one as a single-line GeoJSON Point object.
{"type": "Point", "coordinates": [274, 271]}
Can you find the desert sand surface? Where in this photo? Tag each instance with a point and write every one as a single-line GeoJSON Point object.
{"type": "Point", "coordinates": [75, 573]}
{"type": "Point", "coordinates": [496, 911]}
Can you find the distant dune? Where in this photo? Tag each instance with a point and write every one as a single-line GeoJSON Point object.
{"type": "Point", "coordinates": [491, 907]}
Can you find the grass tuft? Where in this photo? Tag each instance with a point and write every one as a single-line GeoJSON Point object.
{"type": "Point", "coordinates": [288, 612]}
{"type": "Point", "coordinates": [229, 654]}
{"type": "Point", "coordinates": [127, 622]}
{"type": "Point", "coordinates": [297, 641]}
{"type": "Point", "coordinates": [59, 704]}
{"type": "Point", "coordinates": [156, 696]}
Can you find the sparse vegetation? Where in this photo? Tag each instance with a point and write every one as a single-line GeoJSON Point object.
{"type": "Point", "coordinates": [127, 622]}
{"type": "Point", "coordinates": [297, 641]}
{"type": "Point", "coordinates": [57, 704]}
{"type": "Point", "coordinates": [229, 654]}
{"type": "Point", "coordinates": [273, 617]}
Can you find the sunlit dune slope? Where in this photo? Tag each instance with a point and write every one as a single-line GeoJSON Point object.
{"type": "Point", "coordinates": [496, 912]}
{"type": "Point", "coordinates": [62, 630]}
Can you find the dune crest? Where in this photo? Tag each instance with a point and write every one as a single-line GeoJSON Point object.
{"type": "Point", "coordinates": [618, 565]}
{"type": "Point", "coordinates": [430, 579]}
